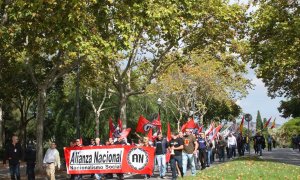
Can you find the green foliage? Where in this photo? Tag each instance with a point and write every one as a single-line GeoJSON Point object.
{"type": "Point", "coordinates": [221, 110]}
{"type": "Point", "coordinates": [290, 108]}
{"type": "Point", "coordinates": [274, 45]}
{"type": "Point", "coordinates": [284, 134]}
{"type": "Point", "coordinates": [259, 123]}
{"type": "Point", "coordinates": [293, 126]}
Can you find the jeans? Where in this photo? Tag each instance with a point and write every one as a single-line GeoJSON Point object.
{"type": "Point", "coordinates": [30, 171]}
{"type": "Point", "coordinates": [208, 157]}
{"type": "Point", "coordinates": [161, 161]}
{"type": "Point", "coordinates": [188, 158]}
{"type": "Point", "coordinates": [259, 148]}
{"type": "Point", "coordinates": [221, 154]}
{"type": "Point", "coordinates": [173, 161]}
{"type": "Point", "coordinates": [14, 170]}
{"type": "Point", "coordinates": [232, 151]}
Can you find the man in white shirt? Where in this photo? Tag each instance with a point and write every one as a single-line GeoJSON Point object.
{"type": "Point", "coordinates": [51, 160]}
{"type": "Point", "coordinates": [231, 145]}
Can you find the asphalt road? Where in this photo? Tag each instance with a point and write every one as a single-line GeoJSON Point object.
{"type": "Point", "coordinates": [286, 155]}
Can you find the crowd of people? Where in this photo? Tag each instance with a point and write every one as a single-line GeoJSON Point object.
{"type": "Point", "coordinates": [188, 150]}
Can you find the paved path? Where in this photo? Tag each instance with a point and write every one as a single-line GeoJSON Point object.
{"type": "Point", "coordinates": [286, 155]}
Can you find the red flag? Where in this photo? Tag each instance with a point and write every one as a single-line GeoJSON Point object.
{"type": "Point", "coordinates": [273, 124]}
{"type": "Point", "coordinates": [267, 123]}
{"type": "Point", "coordinates": [242, 125]}
{"type": "Point", "coordinates": [189, 125]}
{"type": "Point", "coordinates": [125, 132]}
{"type": "Point", "coordinates": [169, 132]}
{"type": "Point", "coordinates": [111, 128]}
{"type": "Point", "coordinates": [211, 127]}
{"type": "Point", "coordinates": [141, 123]}
{"type": "Point", "coordinates": [120, 124]}
{"type": "Point", "coordinates": [157, 123]}
{"type": "Point", "coordinates": [215, 132]}
{"type": "Point", "coordinates": [150, 135]}
{"type": "Point", "coordinates": [200, 129]}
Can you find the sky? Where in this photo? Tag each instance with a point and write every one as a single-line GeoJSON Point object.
{"type": "Point", "coordinates": [258, 99]}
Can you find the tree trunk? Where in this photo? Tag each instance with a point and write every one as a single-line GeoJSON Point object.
{"type": "Point", "coordinates": [97, 115]}
{"type": "Point", "coordinates": [1, 127]}
{"type": "Point", "coordinates": [41, 109]}
{"type": "Point", "coordinates": [122, 107]}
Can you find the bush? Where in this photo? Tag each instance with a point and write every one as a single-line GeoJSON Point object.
{"type": "Point", "coordinates": [285, 133]}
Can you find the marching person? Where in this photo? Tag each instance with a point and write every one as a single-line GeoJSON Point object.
{"type": "Point", "coordinates": [51, 160]}
{"type": "Point", "coordinates": [231, 143]}
{"type": "Point", "coordinates": [98, 176]}
{"type": "Point", "coordinates": [120, 141]}
{"type": "Point", "coordinates": [270, 140]}
{"type": "Point", "coordinates": [202, 150]}
{"type": "Point", "coordinates": [189, 149]}
{"type": "Point", "coordinates": [30, 158]}
{"type": "Point", "coordinates": [161, 146]}
{"type": "Point", "coordinates": [176, 147]}
{"type": "Point", "coordinates": [78, 143]}
{"type": "Point", "coordinates": [13, 153]}
{"type": "Point", "coordinates": [221, 148]}
{"type": "Point", "coordinates": [258, 140]}
{"type": "Point", "coordinates": [146, 143]}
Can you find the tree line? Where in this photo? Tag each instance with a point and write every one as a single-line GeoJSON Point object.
{"type": "Point", "coordinates": [124, 55]}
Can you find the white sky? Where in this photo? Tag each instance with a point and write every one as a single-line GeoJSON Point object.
{"type": "Point", "coordinates": [258, 99]}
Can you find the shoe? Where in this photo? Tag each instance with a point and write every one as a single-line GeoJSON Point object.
{"type": "Point", "coordinates": [162, 177]}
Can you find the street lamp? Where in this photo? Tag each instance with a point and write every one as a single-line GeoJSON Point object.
{"type": "Point", "coordinates": [77, 117]}
{"type": "Point", "coordinates": [159, 101]}
{"type": "Point", "coordinates": [248, 118]}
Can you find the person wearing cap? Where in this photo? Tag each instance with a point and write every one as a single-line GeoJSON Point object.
{"type": "Point", "coordinates": [189, 149]}
{"type": "Point", "coordinates": [51, 160]}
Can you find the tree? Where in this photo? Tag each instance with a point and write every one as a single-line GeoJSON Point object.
{"type": "Point", "coordinates": [198, 82]}
{"type": "Point", "coordinates": [290, 108]}
{"type": "Point", "coordinates": [144, 34]}
{"type": "Point", "coordinates": [274, 45]}
{"type": "Point", "coordinates": [259, 123]}
{"type": "Point", "coordinates": [51, 38]}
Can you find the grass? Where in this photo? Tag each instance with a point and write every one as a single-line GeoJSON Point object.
{"type": "Point", "coordinates": [250, 168]}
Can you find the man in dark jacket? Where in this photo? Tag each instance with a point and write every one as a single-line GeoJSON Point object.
{"type": "Point", "coordinates": [259, 142]}
{"type": "Point", "coordinates": [13, 153]}
{"type": "Point", "coordinates": [30, 158]}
